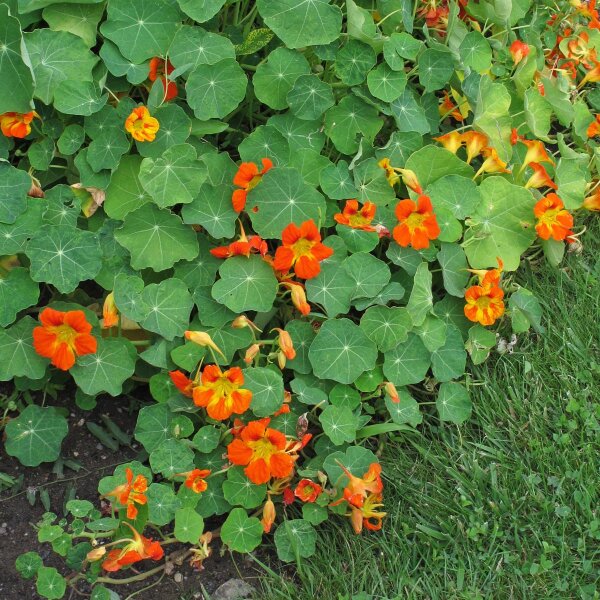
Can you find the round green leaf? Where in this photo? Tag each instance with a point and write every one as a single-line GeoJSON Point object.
{"type": "Point", "coordinates": [332, 288]}
{"type": "Point", "coordinates": [74, 97]}
{"type": "Point", "coordinates": [294, 539]}
{"type": "Point", "coordinates": [18, 357]}
{"type": "Point", "coordinates": [80, 19]}
{"type": "Point", "coordinates": [282, 198]}
{"type": "Point", "coordinates": [336, 182]}
{"type": "Point", "coordinates": [156, 238]}
{"type": "Point", "coordinates": [432, 163]}
{"type": "Point", "coordinates": [206, 439]}
{"type": "Point", "coordinates": [435, 68]}
{"type": "Point", "coordinates": [63, 256]}
{"type": "Point", "coordinates": [386, 326]}
{"type": "Point", "coordinates": [301, 24]}
{"type": "Point", "coordinates": [449, 361]}
{"type": "Point", "coordinates": [17, 291]}
{"type": "Point", "coordinates": [171, 457]}
{"type": "Point", "coordinates": [212, 209]}
{"type": "Point", "coordinates": [405, 411]}
{"type": "Point", "coordinates": [408, 362]}
{"type": "Point", "coordinates": [433, 332]}
{"type": "Point", "coordinates": [240, 491]}
{"type": "Point", "coordinates": [310, 97]}
{"type": "Point", "coordinates": [201, 10]}
{"type": "Point", "coordinates": [454, 266]}
{"type": "Point", "coordinates": [125, 192]}
{"type": "Point", "coordinates": [14, 185]}
{"type": "Point", "coordinates": [266, 386]}
{"type": "Point", "coordinates": [240, 532]}
{"type": "Point", "coordinates": [189, 525]}
{"type": "Point", "coordinates": [460, 195]}
{"type": "Point", "coordinates": [213, 91]}
{"type": "Point", "coordinates": [175, 128]}
{"type": "Point", "coordinates": [453, 403]}
{"type": "Point", "coordinates": [275, 77]}
{"type": "Point", "coordinates": [409, 114]}
{"type": "Point", "coordinates": [302, 335]}
{"type": "Point", "coordinates": [398, 46]}
{"type": "Point", "coordinates": [28, 564]}
{"type": "Point", "coordinates": [106, 370]}
{"type": "Point", "coordinates": [162, 504]}
{"type": "Point", "coordinates": [341, 351]}
{"type": "Point", "coordinates": [339, 424]}
{"type": "Point", "coordinates": [385, 83]}
{"type": "Point", "coordinates": [50, 583]}
{"type": "Point", "coordinates": [153, 426]}
{"type": "Point", "coordinates": [369, 273]}
{"type": "Point", "coordinates": [245, 284]}
{"type": "Point", "coordinates": [475, 52]}
{"type": "Point", "coordinates": [356, 459]}
{"type": "Point", "coordinates": [421, 296]}
{"type": "Point", "coordinates": [194, 46]}
{"type": "Point", "coordinates": [175, 178]}
{"type": "Point", "coordinates": [353, 61]}
{"type": "Point", "coordinates": [119, 66]}
{"type": "Point", "coordinates": [70, 139]}
{"type": "Point", "coordinates": [35, 436]}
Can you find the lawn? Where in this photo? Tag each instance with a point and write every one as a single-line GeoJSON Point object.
{"type": "Point", "coordinates": [505, 506]}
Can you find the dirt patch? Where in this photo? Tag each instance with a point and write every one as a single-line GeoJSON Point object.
{"type": "Point", "coordinates": [17, 514]}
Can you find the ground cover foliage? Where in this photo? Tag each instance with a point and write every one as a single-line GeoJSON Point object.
{"type": "Point", "coordinates": [294, 225]}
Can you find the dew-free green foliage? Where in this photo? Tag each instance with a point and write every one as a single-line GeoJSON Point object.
{"type": "Point", "coordinates": [332, 101]}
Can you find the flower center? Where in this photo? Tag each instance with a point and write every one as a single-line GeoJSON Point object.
{"type": "Point", "coordinates": [254, 182]}
{"type": "Point", "coordinates": [549, 217]}
{"type": "Point", "coordinates": [358, 219]}
{"type": "Point", "coordinates": [224, 387]}
{"type": "Point", "coordinates": [415, 220]}
{"type": "Point", "coordinates": [64, 334]}
{"type": "Point", "coordinates": [302, 247]}
{"type": "Point", "coordinates": [262, 448]}
{"type": "Point", "coordinates": [484, 302]}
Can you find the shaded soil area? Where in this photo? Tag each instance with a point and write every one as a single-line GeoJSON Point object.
{"type": "Point", "coordinates": [21, 507]}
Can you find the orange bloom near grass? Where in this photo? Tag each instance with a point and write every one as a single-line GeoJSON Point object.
{"type": "Point", "coordinates": [262, 451]}
{"type": "Point", "coordinates": [62, 336]}
{"type": "Point", "coordinates": [139, 548]}
{"type": "Point", "coordinates": [355, 217]}
{"type": "Point", "coordinates": [367, 515]}
{"type": "Point", "coordinates": [417, 223]}
{"type": "Point", "coordinates": [553, 221]}
{"type": "Point", "coordinates": [141, 125]}
{"type": "Point", "coordinates": [247, 178]}
{"type": "Point", "coordinates": [221, 392]}
{"type": "Point", "coordinates": [485, 304]}
{"type": "Point", "coordinates": [131, 493]}
{"type": "Point", "coordinates": [17, 125]}
{"type": "Point", "coordinates": [302, 249]}
{"type": "Point", "coordinates": [307, 490]}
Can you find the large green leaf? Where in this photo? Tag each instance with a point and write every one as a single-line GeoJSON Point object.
{"type": "Point", "coordinates": [175, 178]}
{"type": "Point", "coordinates": [35, 436]}
{"type": "Point", "coordinates": [282, 198]}
{"type": "Point", "coordinates": [63, 256]}
{"type": "Point", "coordinates": [125, 192]}
{"type": "Point", "coordinates": [453, 403]}
{"type": "Point", "coordinates": [305, 23]}
{"type": "Point", "coordinates": [339, 424]}
{"type": "Point", "coordinates": [18, 357]}
{"type": "Point", "coordinates": [295, 539]}
{"type": "Point", "coordinates": [212, 209]}
{"type": "Point", "coordinates": [107, 369]}
{"type": "Point", "coordinates": [156, 238]}
{"type": "Point", "coordinates": [449, 361]}
{"type": "Point", "coordinates": [408, 362]}
{"type": "Point", "coordinates": [503, 226]}
{"type": "Point", "coordinates": [14, 185]}
{"type": "Point", "coordinates": [141, 28]}
{"type": "Point", "coordinates": [266, 386]}
{"type": "Point", "coordinates": [239, 490]}
{"type": "Point", "coordinates": [245, 284]}
{"type": "Point", "coordinates": [195, 46]}
{"type": "Point", "coordinates": [57, 56]}
{"type": "Point", "coordinates": [14, 73]}
{"type": "Point", "coordinates": [201, 10]}
{"type": "Point", "coordinates": [386, 326]}
{"type": "Point", "coordinates": [332, 288]}
{"type": "Point", "coordinates": [310, 97]}
{"type": "Point", "coordinates": [341, 351]}
{"type": "Point", "coordinates": [453, 262]}
{"type": "Point", "coordinates": [17, 292]}
{"type": "Point", "coordinates": [420, 302]}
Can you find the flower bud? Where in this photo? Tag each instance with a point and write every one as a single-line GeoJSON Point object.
{"type": "Point", "coordinates": [96, 553]}
{"type": "Point", "coordinates": [252, 353]}
{"type": "Point", "coordinates": [268, 516]}
{"type": "Point", "coordinates": [286, 344]}
{"type": "Point", "coordinates": [203, 339]}
{"type": "Point", "coordinates": [109, 312]}
{"type": "Point", "coordinates": [392, 392]}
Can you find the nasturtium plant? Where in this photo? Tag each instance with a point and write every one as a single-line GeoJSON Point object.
{"type": "Point", "coordinates": [287, 228]}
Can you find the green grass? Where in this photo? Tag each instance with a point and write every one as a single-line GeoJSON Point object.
{"type": "Point", "coordinates": [504, 507]}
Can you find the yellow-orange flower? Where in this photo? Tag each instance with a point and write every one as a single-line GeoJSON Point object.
{"type": "Point", "coordinates": [221, 392]}
{"type": "Point", "coordinates": [110, 313]}
{"type": "Point", "coordinates": [367, 515]}
{"type": "Point", "coordinates": [492, 163]}
{"type": "Point", "coordinates": [141, 125]}
{"type": "Point", "coordinates": [484, 304]}
{"type": "Point", "coordinates": [518, 50]}
{"type": "Point", "coordinates": [62, 336]}
{"type": "Point", "coordinates": [594, 128]}
{"type": "Point", "coordinates": [17, 125]}
{"type": "Point", "coordinates": [269, 515]}
{"type": "Point", "coordinates": [195, 480]}
{"type": "Point", "coordinates": [285, 343]}
{"type": "Point", "coordinates": [203, 339]}
{"type": "Point", "coordinates": [592, 202]}
{"type": "Point", "coordinates": [301, 249]}
{"type": "Point", "coordinates": [552, 218]}
{"type": "Point", "coordinates": [307, 490]}
{"type": "Point", "coordinates": [355, 217]}
{"type": "Point", "coordinates": [474, 142]}
{"type": "Point", "coordinates": [298, 296]}
{"type": "Point", "coordinates": [131, 492]}
{"type": "Point", "coordinates": [536, 152]}
{"type": "Point", "coordinates": [262, 451]}
{"type": "Point", "coordinates": [448, 108]}
{"type": "Point", "coordinates": [358, 488]}
{"type": "Point", "coordinates": [417, 223]}
{"type": "Point", "coordinates": [451, 141]}
{"type": "Point", "coordinates": [540, 178]}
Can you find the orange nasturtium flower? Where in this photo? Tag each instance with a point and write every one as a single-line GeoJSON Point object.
{"type": "Point", "coordinates": [367, 514]}
{"type": "Point", "coordinates": [594, 129]}
{"type": "Point", "coordinates": [355, 217]}
{"type": "Point", "coordinates": [269, 515]}
{"type": "Point", "coordinates": [592, 202]}
{"type": "Point", "coordinates": [285, 343]}
{"type": "Point", "coordinates": [184, 384]}
{"type": "Point", "coordinates": [110, 313]}
{"type": "Point", "coordinates": [161, 68]}
{"type": "Point", "coordinates": [540, 178]}
{"type": "Point", "coordinates": [221, 392]}
{"type": "Point", "coordinates": [17, 125]}
{"type": "Point", "coordinates": [138, 548]}
{"type": "Point", "coordinates": [63, 336]}
{"type": "Point", "coordinates": [474, 142]}
{"type": "Point", "coordinates": [492, 163]}
{"type": "Point", "coordinates": [484, 304]}
{"type": "Point", "coordinates": [447, 108]}
{"type": "Point", "coordinates": [247, 178]}
{"type": "Point", "coordinates": [518, 50]}
{"type": "Point", "coordinates": [131, 493]}
{"type": "Point", "coordinates": [552, 218]}
{"type": "Point", "coordinates": [203, 339]}
{"type": "Point", "coordinates": [307, 490]}
{"type": "Point", "coordinates": [141, 125]}
{"type": "Point", "coordinates": [302, 249]}
{"type": "Point", "coordinates": [298, 296]}
{"type": "Point", "coordinates": [195, 480]}
{"type": "Point", "coordinates": [262, 451]}
{"type": "Point", "coordinates": [417, 223]}
{"type": "Point", "coordinates": [536, 153]}
{"type": "Point", "coordinates": [244, 246]}
{"type": "Point", "coordinates": [451, 141]}
{"type": "Point", "coordinates": [358, 488]}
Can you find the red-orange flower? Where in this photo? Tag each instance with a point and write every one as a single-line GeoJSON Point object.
{"type": "Point", "coordinates": [302, 249]}
{"type": "Point", "coordinates": [17, 125]}
{"type": "Point", "coordinates": [592, 202]}
{"type": "Point", "coordinates": [263, 451]}
{"type": "Point", "coordinates": [594, 128]}
{"type": "Point", "coordinates": [138, 548]}
{"type": "Point", "coordinates": [417, 223]}
{"type": "Point", "coordinates": [448, 108]}
{"type": "Point", "coordinates": [518, 50]}
{"type": "Point", "coordinates": [553, 220]}
{"type": "Point", "coordinates": [244, 246]}
{"type": "Point", "coordinates": [355, 217]}
{"type": "Point", "coordinates": [131, 493]}
{"type": "Point", "coordinates": [367, 515]}
{"type": "Point", "coordinates": [110, 314]}
{"type": "Point", "coordinates": [183, 383]}
{"type": "Point", "coordinates": [358, 488]}
{"type": "Point", "coordinates": [492, 163]}
{"type": "Point", "coordinates": [536, 152]}
{"type": "Point", "coordinates": [141, 125]}
{"type": "Point", "coordinates": [221, 392]}
{"type": "Point", "coordinates": [161, 68]}
{"type": "Point", "coordinates": [540, 178]}
{"type": "Point", "coordinates": [269, 515]}
{"type": "Point", "coordinates": [307, 490]}
{"type": "Point", "coordinates": [247, 178]}
{"type": "Point", "coordinates": [195, 480]}
{"type": "Point", "coordinates": [63, 336]}
{"type": "Point", "coordinates": [484, 304]}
